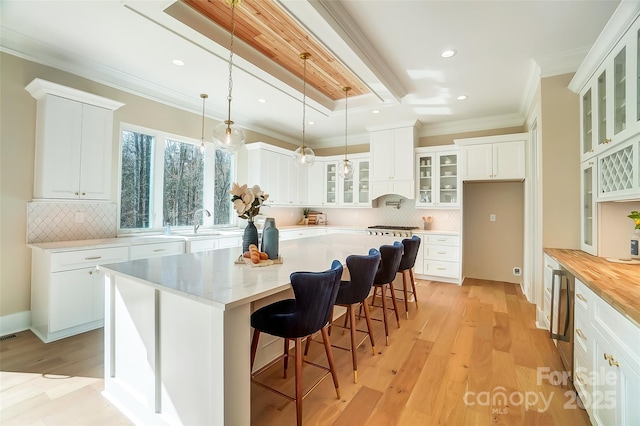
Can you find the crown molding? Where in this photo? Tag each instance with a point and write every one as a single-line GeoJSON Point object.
{"type": "Point", "coordinates": [624, 16]}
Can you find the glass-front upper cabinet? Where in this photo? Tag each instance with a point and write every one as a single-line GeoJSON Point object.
{"type": "Point", "coordinates": [448, 178]}
{"type": "Point", "coordinates": [587, 122]}
{"type": "Point", "coordinates": [620, 91]}
{"type": "Point", "coordinates": [437, 178]}
{"type": "Point", "coordinates": [589, 207]}
{"type": "Point", "coordinates": [331, 183]}
{"type": "Point", "coordinates": [363, 181]}
{"type": "Point", "coordinates": [602, 108]}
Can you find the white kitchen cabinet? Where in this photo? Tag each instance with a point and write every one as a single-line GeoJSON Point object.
{"type": "Point", "coordinates": [442, 258]}
{"type": "Point", "coordinates": [493, 157]}
{"type": "Point", "coordinates": [67, 290]}
{"type": "Point", "coordinates": [618, 172]}
{"type": "Point", "coordinates": [73, 143]}
{"type": "Point", "coordinates": [392, 162]}
{"type": "Point", "coordinates": [607, 82]}
{"type": "Point", "coordinates": [355, 191]}
{"type": "Point", "coordinates": [437, 178]}
{"type": "Point", "coordinates": [331, 183]}
{"type": "Point", "coordinates": [315, 184]}
{"type": "Point", "coordinates": [589, 216]}
{"type": "Point", "coordinates": [606, 360]}
{"type": "Point", "coordinates": [274, 170]}
{"type": "Point", "coordinates": [147, 251]}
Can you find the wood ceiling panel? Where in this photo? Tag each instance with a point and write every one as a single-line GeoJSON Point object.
{"type": "Point", "coordinates": [269, 29]}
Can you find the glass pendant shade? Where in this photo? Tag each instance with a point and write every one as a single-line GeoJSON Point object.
{"type": "Point", "coordinates": [346, 171]}
{"type": "Point", "coordinates": [227, 138]}
{"type": "Point", "coordinates": [304, 157]}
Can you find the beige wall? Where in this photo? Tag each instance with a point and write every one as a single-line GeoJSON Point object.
{"type": "Point", "coordinates": [17, 135]}
{"type": "Point", "coordinates": [438, 140]}
{"type": "Point", "coordinates": [492, 249]}
{"type": "Point", "coordinates": [560, 131]}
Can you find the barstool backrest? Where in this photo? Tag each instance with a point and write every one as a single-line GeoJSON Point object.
{"type": "Point", "coordinates": [315, 294]}
{"type": "Point", "coordinates": [390, 256]}
{"type": "Point", "coordinates": [362, 269]}
{"type": "Point", "coordinates": [411, 246]}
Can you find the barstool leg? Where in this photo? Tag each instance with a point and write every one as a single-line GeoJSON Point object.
{"type": "Point", "coordinates": [367, 318]}
{"type": "Point", "coordinates": [298, 380]}
{"type": "Point", "coordinates": [352, 328]}
{"type": "Point", "coordinates": [406, 293]}
{"type": "Point", "coordinates": [384, 313]}
{"type": "Point", "coordinates": [395, 304]}
{"type": "Point", "coordinates": [327, 348]}
{"type": "Point", "coordinates": [286, 357]}
{"type": "Point", "coordinates": [413, 285]}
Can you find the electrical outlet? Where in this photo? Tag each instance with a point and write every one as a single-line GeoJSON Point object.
{"type": "Point", "coordinates": [517, 271]}
{"type": "Point", "coordinates": [492, 217]}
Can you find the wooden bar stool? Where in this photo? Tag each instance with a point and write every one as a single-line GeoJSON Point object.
{"type": "Point", "coordinates": [354, 292]}
{"type": "Point", "coordinates": [297, 319]}
{"type": "Point", "coordinates": [411, 247]}
{"type": "Point", "coordinates": [389, 262]}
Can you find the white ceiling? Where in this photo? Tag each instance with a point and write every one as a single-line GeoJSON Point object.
{"type": "Point", "coordinates": [393, 46]}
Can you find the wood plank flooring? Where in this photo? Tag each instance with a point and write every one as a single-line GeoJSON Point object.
{"type": "Point", "coordinates": [469, 355]}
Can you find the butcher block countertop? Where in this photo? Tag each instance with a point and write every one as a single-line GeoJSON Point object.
{"type": "Point", "coordinates": [617, 283]}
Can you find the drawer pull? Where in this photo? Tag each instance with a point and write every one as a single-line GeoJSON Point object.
{"type": "Point", "coordinates": [158, 250]}
{"type": "Point", "coordinates": [613, 363]}
{"type": "Point", "coordinates": [442, 239]}
{"type": "Point", "coordinates": [93, 258]}
{"type": "Point", "coordinates": [581, 297]}
{"type": "Point", "coordinates": [581, 334]}
{"type": "Point", "coordinates": [441, 269]}
{"type": "Point", "coordinates": [441, 252]}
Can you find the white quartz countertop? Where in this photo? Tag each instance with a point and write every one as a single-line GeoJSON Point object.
{"type": "Point", "coordinates": [212, 277]}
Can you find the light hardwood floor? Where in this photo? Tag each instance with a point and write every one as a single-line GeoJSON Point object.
{"type": "Point", "coordinates": [470, 355]}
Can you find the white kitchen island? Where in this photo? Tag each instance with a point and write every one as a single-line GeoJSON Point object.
{"type": "Point", "coordinates": [177, 328]}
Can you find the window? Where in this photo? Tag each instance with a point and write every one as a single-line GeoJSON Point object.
{"type": "Point", "coordinates": [165, 178]}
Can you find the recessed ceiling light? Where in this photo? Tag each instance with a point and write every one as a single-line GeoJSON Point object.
{"type": "Point", "coordinates": [262, 101]}
{"type": "Point", "coordinates": [312, 123]}
{"type": "Point", "coordinates": [375, 111]}
{"type": "Point", "coordinates": [448, 53]}
{"type": "Point", "coordinates": [178, 62]}
{"type": "Point", "coordinates": [462, 97]}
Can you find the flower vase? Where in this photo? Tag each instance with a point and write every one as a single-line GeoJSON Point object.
{"type": "Point", "coordinates": [250, 236]}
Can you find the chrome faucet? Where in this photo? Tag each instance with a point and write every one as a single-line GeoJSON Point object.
{"type": "Point", "coordinates": [195, 218]}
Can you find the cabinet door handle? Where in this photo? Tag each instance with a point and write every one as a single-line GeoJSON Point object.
{"type": "Point", "coordinates": [581, 334]}
{"type": "Point", "coordinates": [608, 357]}
{"type": "Point", "coordinates": [613, 363]}
{"type": "Point", "coordinates": [579, 378]}
{"type": "Point", "coordinates": [76, 193]}
{"type": "Point", "coordinates": [607, 140]}
{"type": "Point", "coordinates": [158, 250]}
{"type": "Point", "coordinates": [581, 297]}
{"type": "Point", "coordinates": [93, 258]}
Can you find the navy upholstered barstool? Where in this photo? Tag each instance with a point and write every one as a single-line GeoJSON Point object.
{"type": "Point", "coordinates": [296, 319]}
{"type": "Point", "coordinates": [389, 262]}
{"type": "Point", "coordinates": [409, 255]}
{"type": "Point", "coordinates": [362, 270]}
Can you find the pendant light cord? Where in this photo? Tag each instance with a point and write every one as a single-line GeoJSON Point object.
{"type": "Point", "coordinates": [346, 97]}
{"type": "Point", "coordinates": [233, 30]}
{"type": "Point", "coordinates": [304, 56]}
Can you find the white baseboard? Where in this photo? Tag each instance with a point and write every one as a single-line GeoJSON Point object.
{"type": "Point", "coordinates": [14, 323]}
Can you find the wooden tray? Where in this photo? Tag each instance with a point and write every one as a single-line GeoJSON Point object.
{"type": "Point", "coordinates": [245, 260]}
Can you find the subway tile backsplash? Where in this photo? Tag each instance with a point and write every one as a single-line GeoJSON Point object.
{"type": "Point", "coordinates": [59, 221]}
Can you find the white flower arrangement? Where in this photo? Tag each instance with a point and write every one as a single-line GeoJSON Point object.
{"type": "Point", "coordinates": [247, 201]}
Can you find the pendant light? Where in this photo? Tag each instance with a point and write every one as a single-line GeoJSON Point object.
{"type": "Point", "coordinates": [226, 137]}
{"type": "Point", "coordinates": [204, 96]}
{"type": "Point", "coordinates": [304, 156]}
{"type": "Point", "coordinates": [346, 171]}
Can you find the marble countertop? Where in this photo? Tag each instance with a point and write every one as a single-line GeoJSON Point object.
{"type": "Point", "coordinates": [213, 278]}
{"type": "Point", "coordinates": [618, 284]}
